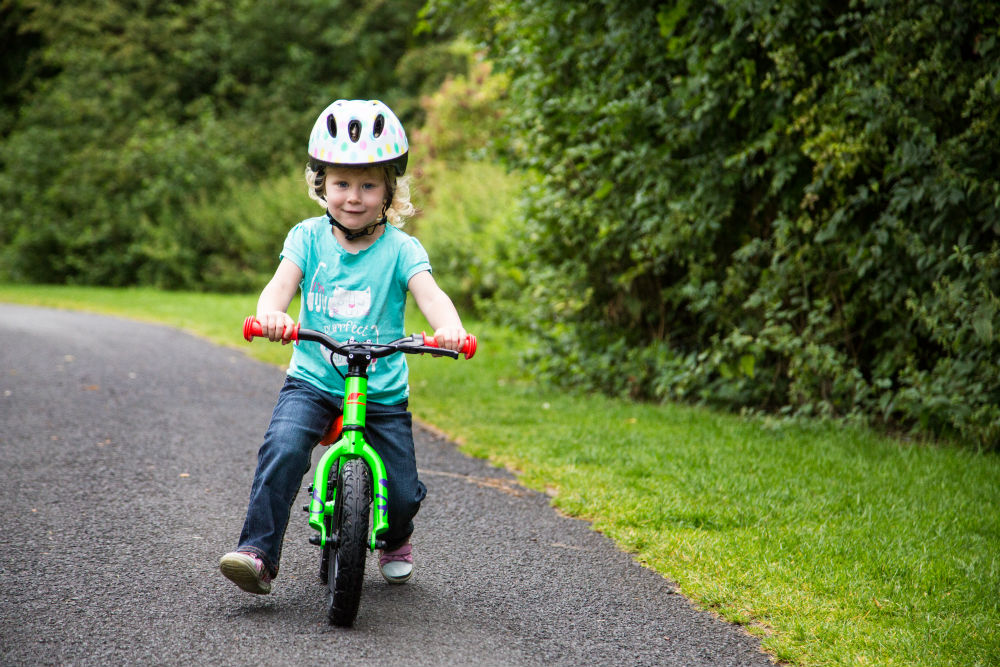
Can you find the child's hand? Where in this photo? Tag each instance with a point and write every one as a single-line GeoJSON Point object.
{"type": "Point", "coordinates": [450, 338]}
{"type": "Point", "coordinates": [276, 325]}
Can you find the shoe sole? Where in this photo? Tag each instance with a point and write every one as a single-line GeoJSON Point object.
{"type": "Point", "coordinates": [396, 580]}
{"type": "Point", "coordinates": [243, 574]}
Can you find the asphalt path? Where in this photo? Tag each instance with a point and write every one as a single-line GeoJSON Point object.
{"type": "Point", "coordinates": [126, 456]}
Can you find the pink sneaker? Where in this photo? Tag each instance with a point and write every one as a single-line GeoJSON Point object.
{"type": "Point", "coordinates": [396, 566]}
{"type": "Point", "coordinates": [247, 571]}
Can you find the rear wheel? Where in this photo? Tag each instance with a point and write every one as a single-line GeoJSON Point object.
{"type": "Point", "coordinates": [346, 569]}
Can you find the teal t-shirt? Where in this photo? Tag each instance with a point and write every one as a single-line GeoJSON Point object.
{"type": "Point", "coordinates": [353, 296]}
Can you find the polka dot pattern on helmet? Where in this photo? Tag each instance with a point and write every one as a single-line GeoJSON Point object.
{"type": "Point", "coordinates": [358, 133]}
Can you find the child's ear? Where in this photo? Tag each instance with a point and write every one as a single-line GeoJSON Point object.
{"type": "Point", "coordinates": [318, 182]}
{"type": "Point", "coordinates": [390, 189]}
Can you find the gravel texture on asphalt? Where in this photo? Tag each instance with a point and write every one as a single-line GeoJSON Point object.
{"type": "Point", "coordinates": [127, 451]}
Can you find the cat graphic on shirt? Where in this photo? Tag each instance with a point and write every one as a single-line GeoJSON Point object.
{"type": "Point", "coordinates": [350, 303]}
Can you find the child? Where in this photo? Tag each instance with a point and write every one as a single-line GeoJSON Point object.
{"type": "Point", "coordinates": [354, 270]}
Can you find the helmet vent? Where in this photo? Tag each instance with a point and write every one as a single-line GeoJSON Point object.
{"type": "Point", "coordinates": [379, 126]}
{"type": "Point", "coordinates": [331, 125]}
{"type": "Point", "coordinates": [354, 130]}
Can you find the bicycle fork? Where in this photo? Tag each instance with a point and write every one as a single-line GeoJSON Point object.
{"type": "Point", "coordinates": [352, 444]}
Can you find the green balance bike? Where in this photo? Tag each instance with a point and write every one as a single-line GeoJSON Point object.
{"type": "Point", "coordinates": [351, 474]}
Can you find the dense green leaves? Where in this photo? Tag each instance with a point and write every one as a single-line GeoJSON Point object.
{"type": "Point", "coordinates": [784, 205]}
{"type": "Point", "coordinates": [141, 110]}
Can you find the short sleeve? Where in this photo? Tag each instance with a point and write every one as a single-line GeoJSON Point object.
{"type": "Point", "coordinates": [295, 246]}
{"type": "Point", "coordinates": [412, 260]}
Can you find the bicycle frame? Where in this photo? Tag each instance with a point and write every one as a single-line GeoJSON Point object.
{"type": "Point", "coordinates": [352, 444]}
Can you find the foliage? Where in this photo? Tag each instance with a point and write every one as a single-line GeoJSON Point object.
{"type": "Point", "coordinates": [237, 241]}
{"type": "Point", "coordinates": [467, 216]}
{"type": "Point", "coordinates": [143, 110]}
{"type": "Point", "coordinates": [464, 116]}
{"type": "Point", "coordinates": [784, 205]}
{"type": "Point", "coordinates": [467, 227]}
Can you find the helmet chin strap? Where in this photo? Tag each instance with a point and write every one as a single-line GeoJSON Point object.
{"type": "Point", "coordinates": [351, 235]}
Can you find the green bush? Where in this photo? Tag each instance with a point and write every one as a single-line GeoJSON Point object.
{"type": "Point", "coordinates": [787, 206]}
{"type": "Point", "coordinates": [138, 112]}
{"type": "Point", "coordinates": [232, 244]}
{"type": "Point", "coordinates": [467, 224]}
{"type": "Point", "coordinates": [467, 201]}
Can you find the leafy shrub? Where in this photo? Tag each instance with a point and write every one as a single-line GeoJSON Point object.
{"type": "Point", "coordinates": [232, 244]}
{"type": "Point", "coordinates": [468, 202]}
{"type": "Point", "coordinates": [467, 225]}
{"type": "Point", "coordinates": [788, 206]}
{"type": "Point", "coordinates": [139, 112]}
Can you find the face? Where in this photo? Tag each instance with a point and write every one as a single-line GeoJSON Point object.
{"type": "Point", "coordinates": [355, 196]}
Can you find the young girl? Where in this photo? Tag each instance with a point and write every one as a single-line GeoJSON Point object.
{"type": "Point", "coordinates": [354, 271]}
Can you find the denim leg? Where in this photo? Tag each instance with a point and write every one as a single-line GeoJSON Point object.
{"type": "Point", "coordinates": [389, 429]}
{"type": "Point", "coordinates": [300, 418]}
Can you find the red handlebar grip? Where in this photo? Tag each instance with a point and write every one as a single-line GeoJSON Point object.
{"type": "Point", "coordinates": [251, 328]}
{"type": "Point", "coordinates": [468, 347]}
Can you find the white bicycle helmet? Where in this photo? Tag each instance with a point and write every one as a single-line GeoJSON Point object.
{"type": "Point", "coordinates": [358, 133]}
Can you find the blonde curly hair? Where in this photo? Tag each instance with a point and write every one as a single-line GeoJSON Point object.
{"type": "Point", "coordinates": [399, 209]}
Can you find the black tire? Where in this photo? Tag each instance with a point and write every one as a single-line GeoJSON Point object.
{"type": "Point", "coordinates": [347, 559]}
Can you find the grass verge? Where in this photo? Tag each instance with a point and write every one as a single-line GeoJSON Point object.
{"type": "Point", "coordinates": [832, 544]}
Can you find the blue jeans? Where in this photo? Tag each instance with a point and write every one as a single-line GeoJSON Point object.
{"type": "Point", "coordinates": [301, 417]}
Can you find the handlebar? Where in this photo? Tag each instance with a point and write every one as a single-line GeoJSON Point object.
{"type": "Point", "coordinates": [415, 344]}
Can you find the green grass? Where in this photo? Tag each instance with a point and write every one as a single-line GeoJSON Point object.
{"type": "Point", "coordinates": [833, 544]}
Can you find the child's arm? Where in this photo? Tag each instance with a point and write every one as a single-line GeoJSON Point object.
{"type": "Point", "coordinates": [272, 306]}
{"type": "Point", "coordinates": [439, 311]}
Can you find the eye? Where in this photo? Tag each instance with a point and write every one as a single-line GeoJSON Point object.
{"type": "Point", "coordinates": [331, 126]}
{"type": "Point", "coordinates": [379, 126]}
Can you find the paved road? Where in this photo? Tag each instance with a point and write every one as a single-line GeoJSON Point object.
{"type": "Point", "coordinates": [126, 454]}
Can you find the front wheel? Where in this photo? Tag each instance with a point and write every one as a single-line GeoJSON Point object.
{"type": "Point", "coordinates": [346, 570]}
